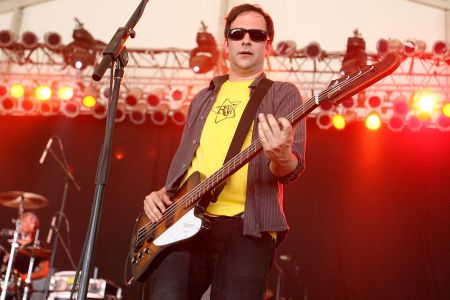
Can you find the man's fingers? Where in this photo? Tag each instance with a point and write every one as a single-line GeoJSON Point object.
{"type": "Point", "coordinates": [287, 126]}
{"type": "Point", "coordinates": [274, 127]}
{"type": "Point", "coordinates": [265, 127]}
{"type": "Point", "coordinates": [166, 199]}
{"type": "Point", "coordinates": [154, 206]}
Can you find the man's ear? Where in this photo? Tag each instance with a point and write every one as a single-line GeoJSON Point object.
{"type": "Point", "coordinates": [268, 49]}
{"type": "Point", "coordinates": [225, 46]}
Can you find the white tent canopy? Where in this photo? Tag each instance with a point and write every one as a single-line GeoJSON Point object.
{"type": "Point", "coordinates": [175, 23]}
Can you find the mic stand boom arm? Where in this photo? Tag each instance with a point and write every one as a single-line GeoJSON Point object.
{"type": "Point", "coordinates": [69, 177]}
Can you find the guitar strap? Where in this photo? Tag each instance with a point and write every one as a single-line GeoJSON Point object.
{"type": "Point", "coordinates": [244, 126]}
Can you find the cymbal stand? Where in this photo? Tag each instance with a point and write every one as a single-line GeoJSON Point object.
{"type": "Point", "coordinates": [26, 290]}
{"type": "Point", "coordinates": [12, 254]}
{"type": "Point", "coordinates": [59, 215]}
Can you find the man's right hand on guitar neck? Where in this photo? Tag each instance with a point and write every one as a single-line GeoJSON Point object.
{"type": "Point", "coordinates": [155, 204]}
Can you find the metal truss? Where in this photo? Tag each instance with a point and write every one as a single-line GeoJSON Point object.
{"type": "Point", "coordinates": [169, 68]}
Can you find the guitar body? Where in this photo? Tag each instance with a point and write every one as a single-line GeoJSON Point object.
{"type": "Point", "coordinates": [149, 240]}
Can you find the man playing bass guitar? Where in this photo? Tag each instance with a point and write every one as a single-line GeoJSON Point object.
{"type": "Point", "coordinates": [246, 218]}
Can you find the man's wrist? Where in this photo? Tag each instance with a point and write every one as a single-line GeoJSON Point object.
{"type": "Point", "coordinates": [282, 168]}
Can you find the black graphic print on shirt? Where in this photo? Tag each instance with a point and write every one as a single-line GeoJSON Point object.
{"type": "Point", "coordinates": [227, 110]}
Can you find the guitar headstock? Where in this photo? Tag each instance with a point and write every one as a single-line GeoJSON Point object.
{"type": "Point", "coordinates": [343, 88]}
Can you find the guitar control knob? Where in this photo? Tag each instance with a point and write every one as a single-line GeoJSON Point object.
{"type": "Point", "coordinates": [147, 250]}
{"type": "Point", "coordinates": [141, 255]}
{"type": "Point", "coordinates": [133, 260]}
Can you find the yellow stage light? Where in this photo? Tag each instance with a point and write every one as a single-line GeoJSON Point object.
{"type": "Point", "coordinates": [43, 93]}
{"type": "Point", "coordinates": [373, 121]}
{"type": "Point", "coordinates": [65, 92]}
{"type": "Point", "coordinates": [89, 101]}
{"type": "Point", "coordinates": [338, 122]}
{"type": "Point", "coordinates": [17, 91]}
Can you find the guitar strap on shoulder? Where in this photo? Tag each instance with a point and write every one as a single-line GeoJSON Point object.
{"type": "Point", "coordinates": [244, 126]}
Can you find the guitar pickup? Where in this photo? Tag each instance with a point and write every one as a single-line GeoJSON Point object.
{"type": "Point", "coordinates": [151, 236]}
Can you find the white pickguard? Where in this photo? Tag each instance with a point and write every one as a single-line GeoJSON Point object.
{"type": "Point", "coordinates": [186, 227]}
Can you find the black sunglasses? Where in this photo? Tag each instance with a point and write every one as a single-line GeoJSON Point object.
{"type": "Point", "coordinates": [256, 35]}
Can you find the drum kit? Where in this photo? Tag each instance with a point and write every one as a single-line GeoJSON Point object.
{"type": "Point", "coordinates": [14, 285]}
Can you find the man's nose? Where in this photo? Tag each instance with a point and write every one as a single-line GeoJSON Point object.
{"type": "Point", "coordinates": [246, 38]}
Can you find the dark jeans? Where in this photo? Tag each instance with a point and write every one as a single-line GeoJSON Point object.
{"type": "Point", "coordinates": [235, 265]}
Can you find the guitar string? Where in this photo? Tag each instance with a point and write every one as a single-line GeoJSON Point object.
{"type": "Point", "coordinates": [199, 190]}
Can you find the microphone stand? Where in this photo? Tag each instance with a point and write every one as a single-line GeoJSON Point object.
{"type": "Point", "coordinates": [116, 52]}
{"type": "Point", "coordinates": [60, 213]}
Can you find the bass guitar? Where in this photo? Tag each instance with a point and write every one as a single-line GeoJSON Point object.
{"type": "Point", "coordinates": [184, 217]}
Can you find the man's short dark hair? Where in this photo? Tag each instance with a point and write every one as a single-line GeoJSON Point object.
{"type": "Point", "coordinates": [237, 10]}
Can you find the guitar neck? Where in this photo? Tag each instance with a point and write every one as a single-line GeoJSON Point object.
{"type": "Point", "coordinates": [336, 92]}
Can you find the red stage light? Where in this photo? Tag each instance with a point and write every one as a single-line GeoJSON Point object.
{"type": "Point", "coordinates": [313, 50]}
{"type": "Point", "coordinates": [414, 123]}
{"type": "Point", "coordinates": [286, 48]}
{"type": "Point", "coordinates": [396, 123]}
{"type": "Point", "coordinates": [45, 108]}
{"type": "Point", "coordinates": [326, 106]}
{"type": "Point", "coordinates": [401, 106]}
{"type": "Point", "coordinates": [443, 123]}
{"type": "Point", "coordinates": [348, 103]}
{"type": "Point", "coordinates": [138, 113]}
{"type": "Point", "coordinates": [8, 103]}
{"type": "Point", "coordinates": [3, 90]}
{"type": "Point", "coordinates": [153, 100]}
{"type": "Point", "coordinates": [27, 104]}
{"type": "Point", "coordinates": [119, 153]}
{"type": "Point", "coordinates": [6, 38]}
{"type": "Point", "coordinates": [179, 117]}
{"type": "Point", "coordinates": [324, 121]}
{"type": "Point", "coordinates": [133, 96]}
{"type": "Point", "coordinates": [374, 101]}
{"type": "Point", "coordinates": [177, 95]}
{"type": "Point", "coordinates": [71, 108]}
{"type": "Point", "coordinates": [53, 40]}
{"type": "Point", "coordinates": [120, 112]}
{"type": "Point", "coordinates": [99, 111]}
{"type": "Point", "coordinates": [29, 40]}
{"type": "Point", "coordinates": [440, 48]}
{"type": "Point", "coordinates": [131, 100]}
{"type": "Point", "coordinates": [159, 115]}
{"type": "Point", "coordinates": [155, 97]}
{"type": "Point", "coordinates": [373, 121]}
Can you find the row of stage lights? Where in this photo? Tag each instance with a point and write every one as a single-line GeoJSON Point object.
{"type": "Point", "coordinates": [159, 105]}
{"type": "Point", "coordinates": [410, 48]}
{"type": "Point", "coordinates": [80, 53]}
{"type": "Point", "coordinates": [423, 109]}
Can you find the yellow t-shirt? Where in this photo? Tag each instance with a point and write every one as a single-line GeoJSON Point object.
{"type": "Point", "coordinates": [215, 141]}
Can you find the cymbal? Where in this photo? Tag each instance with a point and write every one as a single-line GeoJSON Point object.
{"type": "Point", "coordinates": [29, 200]}
{"type": "Point", "coordinates": [32, 251]}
